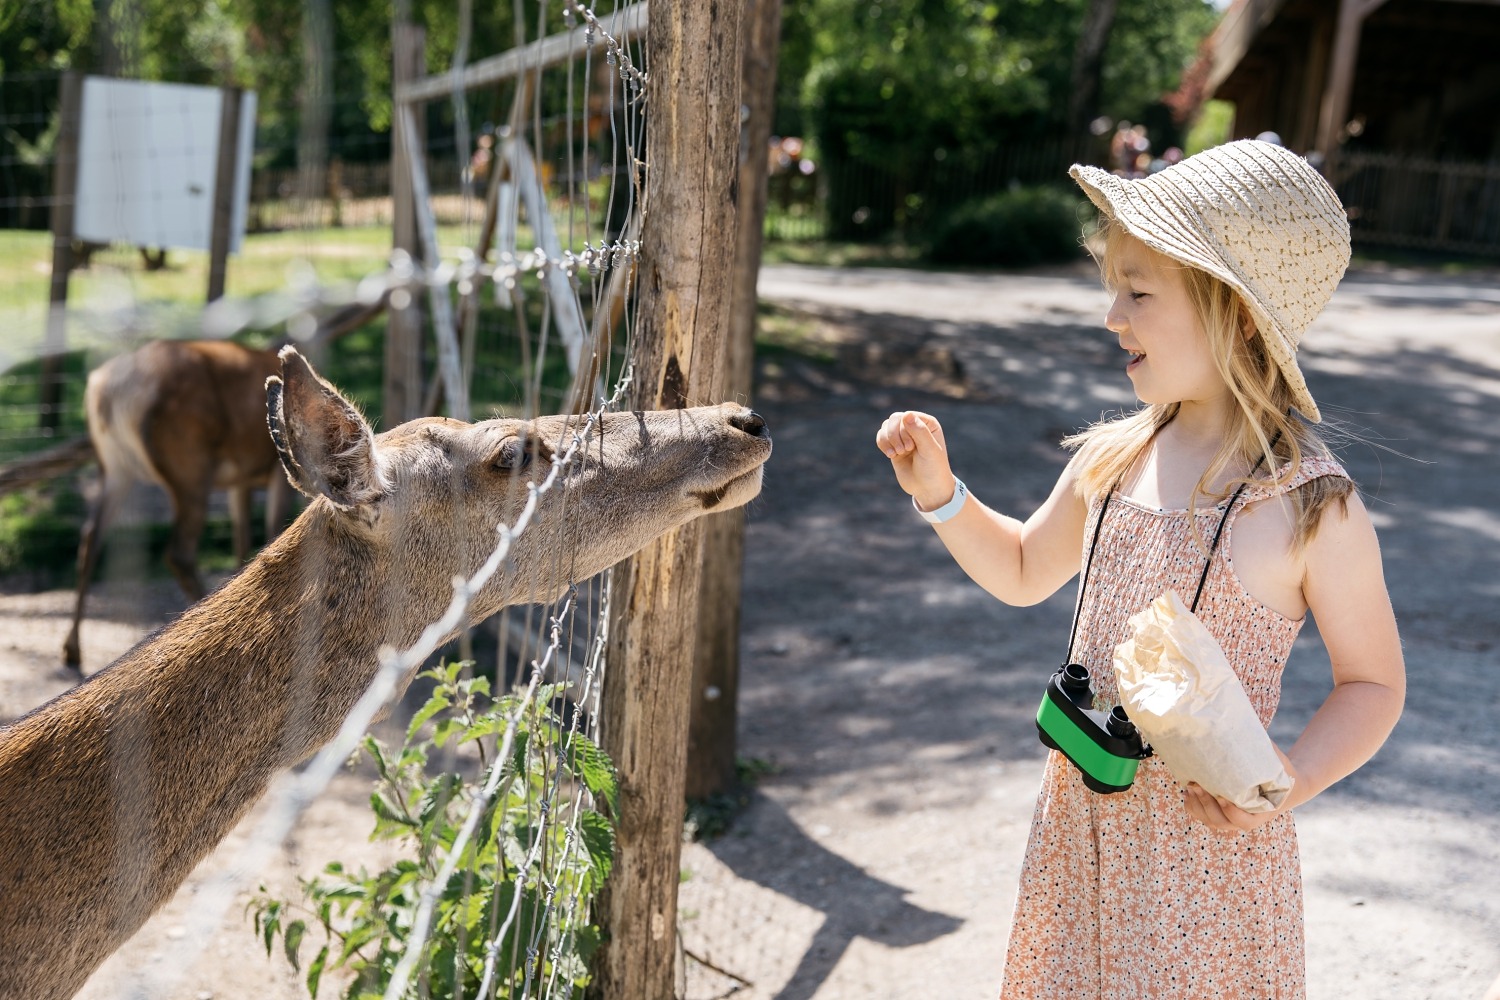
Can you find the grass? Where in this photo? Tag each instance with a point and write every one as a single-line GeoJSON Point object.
{"type": "Point", "coordinates": [841, 254]}
{"type": "Point", "coordinates": [115, 279]}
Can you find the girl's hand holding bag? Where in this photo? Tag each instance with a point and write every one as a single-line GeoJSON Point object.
{"type": "Point", "coordinates": [1180, 691]}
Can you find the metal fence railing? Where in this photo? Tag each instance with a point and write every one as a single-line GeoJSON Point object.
{"type": "Point", "coordinates": [1425, 204]}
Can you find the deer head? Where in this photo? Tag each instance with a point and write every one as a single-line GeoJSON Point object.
{"type": "Point", "coordinates": [430, 494]}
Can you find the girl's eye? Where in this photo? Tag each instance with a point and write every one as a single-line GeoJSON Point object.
{"type": "Point", "coordinates": [1137, 296]}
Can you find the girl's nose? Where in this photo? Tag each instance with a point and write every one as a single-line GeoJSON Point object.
{"type": "Point", "coordinates": [1114, 319]}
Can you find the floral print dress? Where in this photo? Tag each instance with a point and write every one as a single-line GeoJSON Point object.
{"type": "Point", "coordinates": [1124, 895]}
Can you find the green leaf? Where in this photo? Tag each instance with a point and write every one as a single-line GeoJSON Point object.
{"type": "Point", "coordinates": [388, 813]}
{"type": "Point", "coordinates": [272, 923]}
{"type": "Point", "coordinates": [434, 705]}
{"type": "Point", "coordinates": [359, 935]}
{"type": "Point", "coordinates": [520, 748]}
{"type": "Point", "coordinates": [599, 840]}
{"type": "Point", "coordinates": [446, 730]}
{"type": "Point", "coordinates": [377, 754]}
{"type": "Point", "coordinates": [292, 940]}
{"type": "Point", "coordinates": [434, 802]}
{"type": "Point", "coordinates": [315, 971]}
{"type": "Point", "coordinates": [591, 765]}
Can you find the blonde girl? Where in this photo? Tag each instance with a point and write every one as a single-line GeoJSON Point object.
{"type": "Point", "coordinates": [1216, 266]}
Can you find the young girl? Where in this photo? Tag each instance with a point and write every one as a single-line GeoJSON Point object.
{"type": "Point", "coordinates": [1217, 266]}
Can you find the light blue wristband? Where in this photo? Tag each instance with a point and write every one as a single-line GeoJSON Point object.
{"type": "Point", "coordinates": [949, 510]}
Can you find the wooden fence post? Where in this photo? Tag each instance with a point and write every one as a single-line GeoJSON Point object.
{"type": "Point", "coordinates": [64, 200]}
{"type": "Point", "coordinates": [403, 388]}
{"type": "Point", "coordinates": [712, 742]}
{"type": "Point", "coordinates": [692, 179]}
{"type": "Point", "coordinates": [222, 228]}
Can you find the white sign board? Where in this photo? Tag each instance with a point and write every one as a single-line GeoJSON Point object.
{"type": "Point", "coordinates": [148, 156]}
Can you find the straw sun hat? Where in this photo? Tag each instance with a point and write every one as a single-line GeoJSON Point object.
{"type": "Point", "coordinates": [1252, 214]}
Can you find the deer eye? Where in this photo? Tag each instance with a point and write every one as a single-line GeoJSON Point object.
{"type": "Point", "coordinates": [515, 454]}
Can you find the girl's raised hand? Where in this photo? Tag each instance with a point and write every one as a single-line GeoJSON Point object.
{"type": "Point", "coordinates": [914, 443]}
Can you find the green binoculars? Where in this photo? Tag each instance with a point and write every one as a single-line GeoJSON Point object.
{"type": "Point", "coordinates": [1104, 746]}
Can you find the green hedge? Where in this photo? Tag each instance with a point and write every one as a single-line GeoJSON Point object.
{"type": "Point", "coordinates": [1016, 228]}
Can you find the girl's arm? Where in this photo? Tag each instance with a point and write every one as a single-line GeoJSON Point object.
{"type": "Point", "coordinates": [1345, 588]}
{"type": "Point", "coordinates": [1019, 563]}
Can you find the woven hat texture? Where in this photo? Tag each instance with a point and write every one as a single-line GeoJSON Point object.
{"type": "Point", "coordinates": [1256, 216]}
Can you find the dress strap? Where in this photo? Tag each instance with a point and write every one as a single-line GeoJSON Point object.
{"type": "Point", "coordinates": [1307, 471]}
{"type": "Point", "coordinates": [1088, 565]}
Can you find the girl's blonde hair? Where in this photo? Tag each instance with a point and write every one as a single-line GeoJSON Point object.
{"type": "Point", "coordinates": [1261, 426]}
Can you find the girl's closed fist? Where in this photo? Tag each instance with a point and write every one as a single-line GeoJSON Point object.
{"type": "Point", "coordinates": [914, 443]}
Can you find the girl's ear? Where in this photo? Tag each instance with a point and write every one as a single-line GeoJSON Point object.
{"type": "Point", "coordinates": [1247, 321]}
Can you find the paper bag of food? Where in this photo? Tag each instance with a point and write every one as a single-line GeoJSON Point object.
{"type": "Point", "coordinates": [1179, 690]}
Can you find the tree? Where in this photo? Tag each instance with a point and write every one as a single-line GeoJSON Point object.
{"type": "Point", "coordinates": [892, 85]}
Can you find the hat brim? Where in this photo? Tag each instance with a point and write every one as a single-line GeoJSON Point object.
{"type": "Point", "coordinates": [1166, 225]}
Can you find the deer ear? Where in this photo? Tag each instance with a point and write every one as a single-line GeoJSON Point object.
{"type": "Point", "coordinates": [326, 447]}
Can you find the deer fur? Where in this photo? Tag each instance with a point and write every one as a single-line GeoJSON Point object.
{"type": "Point", "coordinates": [189, 416]}
{"type": "Point", "coordinates": [113, 792]}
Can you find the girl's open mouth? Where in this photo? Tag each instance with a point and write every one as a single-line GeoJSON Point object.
{"type": "Point", "coordinates": [1136, 357]}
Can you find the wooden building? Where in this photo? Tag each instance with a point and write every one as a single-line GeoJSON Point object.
{"type": "Point", "coordinates": [1398, 99]}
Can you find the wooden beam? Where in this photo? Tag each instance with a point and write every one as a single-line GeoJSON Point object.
{"type": "Point", "coordinates": [1235, 35]}
{"type": "Point", "coordinates": [692, 142]}
{"type": "Point", "coordinates": [712, 737]}
{"type": "Point", "coordinates": [1334, 111]}
{"type": "Point", "coordinates": [1304, 132]}
{"type": "Point", "coordinates": [629, 22]}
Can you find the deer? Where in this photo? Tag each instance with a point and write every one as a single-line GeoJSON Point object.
{"type": "Point", "coordinates": [111, 793]}
{"type": "Point", "coordinates": [188, 416]}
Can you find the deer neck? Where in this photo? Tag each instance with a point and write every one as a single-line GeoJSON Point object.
{"type": "Point", "coordinates": [289, 645]}
{"type": "Point", "coordinates": [133, 777]}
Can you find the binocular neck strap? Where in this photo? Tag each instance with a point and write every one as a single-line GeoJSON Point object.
{"type": "Point", "coordinates": [1208, 563]}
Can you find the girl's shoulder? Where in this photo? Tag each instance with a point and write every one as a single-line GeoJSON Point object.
{"type": "Point", "coordinates": [1289, 478]}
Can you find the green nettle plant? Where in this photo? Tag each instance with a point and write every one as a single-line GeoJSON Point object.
{"type": "Point", "coordinates": [513, 917]}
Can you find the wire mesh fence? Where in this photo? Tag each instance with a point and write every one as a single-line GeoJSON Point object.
{"type": "Point", "coordinates": [527, 187]}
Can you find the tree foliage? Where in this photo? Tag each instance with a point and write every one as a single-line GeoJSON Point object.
{"type": "Point", "coordinates": [883, 83]}
{"type": "Point", "coordinates": [891, 85]}
{"type": "Point", "coordinates": [967, 73]}
{"type": "Point", "coordinates": [259, 45]}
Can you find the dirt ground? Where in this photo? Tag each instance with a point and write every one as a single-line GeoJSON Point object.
{"type": "Point", "coordinates": [894, 698]}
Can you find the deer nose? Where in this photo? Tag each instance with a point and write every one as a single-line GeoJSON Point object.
{"type": "Point", "coordinates": [751, 423]}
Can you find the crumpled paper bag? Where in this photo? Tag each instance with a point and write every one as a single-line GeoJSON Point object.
{"type": "Point", "coordinates": [1179, 690]}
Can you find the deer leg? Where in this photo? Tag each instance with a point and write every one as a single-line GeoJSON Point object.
{"type": "Point", "coordinates": [190, 512]}
{"type": "Point", "coordinates": [239, 517]}
{"type": "Point", "coordinates": [89, 544]}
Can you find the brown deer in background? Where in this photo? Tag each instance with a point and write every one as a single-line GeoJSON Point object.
{"type": "Point", "coordinates": [113, 792]}
{"type": "Point", "coordinates": [189, 416]}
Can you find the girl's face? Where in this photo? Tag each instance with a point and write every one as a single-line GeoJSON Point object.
{"type": "Point", "coordinates": [1152, 314]}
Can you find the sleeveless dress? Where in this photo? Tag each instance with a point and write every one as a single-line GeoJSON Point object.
{"type": "Point", "coordinates": [1125, 895]}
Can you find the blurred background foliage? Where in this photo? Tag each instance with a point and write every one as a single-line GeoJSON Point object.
{"type": "Point", "coordinates": [905, 108]}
